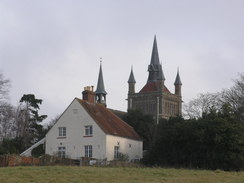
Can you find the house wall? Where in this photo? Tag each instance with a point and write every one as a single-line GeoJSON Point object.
{"type": "Point", "coordinates": [75, 118]}
{"type": "Point", "coordinates": [132, 148]}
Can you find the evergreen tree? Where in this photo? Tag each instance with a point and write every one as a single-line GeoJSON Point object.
{"type": "Point", "coordinates": [28, 120]}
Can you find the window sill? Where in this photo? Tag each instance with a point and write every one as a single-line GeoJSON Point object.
{"type": "Point", "coordinates": [88, 136]}
{"type": "Point", "coordinates": [61, 137]}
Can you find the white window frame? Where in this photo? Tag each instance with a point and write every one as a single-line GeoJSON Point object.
{"type": "Point", "coordinates": [61, 151]}
{"type": "Point", "coordinates": [62, 131]}
{"type": "Point", "coordinates": [88, 130]}
{"type": "Point", "coordinates": [88, 151]}
{"type": "Point", "coordinates": [116, 152]}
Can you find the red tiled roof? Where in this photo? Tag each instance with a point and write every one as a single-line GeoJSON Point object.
{"type": "Point", "coordinates": [152, 86]}
{"type": "Point", "coordinates": [166, 89]}
{"type": "Point", "coordinates": [149, 87]}
{"type": "Point", "coordinates": [108, 121]}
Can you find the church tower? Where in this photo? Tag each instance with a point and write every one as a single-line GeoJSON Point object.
{"type": "Point", "coordinates": [100, 91]}
{"type": "Point", "coordinates": [155, 98]}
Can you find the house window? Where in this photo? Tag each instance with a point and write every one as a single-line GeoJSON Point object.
{"type": "Point", "coordinates": [61, 152]}
{"type": "Point", "coordinates": [116, 152]}
{"type": "Point", "coordinates": [88, 151]}
{"type": "Point", "coordinates": [62, 131]}
{"type": "Point", "coordinates": [88, 130]}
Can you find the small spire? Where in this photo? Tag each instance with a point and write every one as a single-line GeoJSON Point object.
{"type": "Point", "coordinates": [100, 84]}
{"type": "Point", "coordinates": [131, 78]}
{"type": "Point", "coordinates": [177, 79]}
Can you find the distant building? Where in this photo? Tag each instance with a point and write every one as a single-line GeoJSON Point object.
{"type": "Point", "coordinates": [155, 98]}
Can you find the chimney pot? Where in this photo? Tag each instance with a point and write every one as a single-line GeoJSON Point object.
{"type": "Point", "coordinates": [88, 94]}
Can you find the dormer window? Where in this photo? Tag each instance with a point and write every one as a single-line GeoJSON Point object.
{"type": "Point", "coordinates": [88, 130]}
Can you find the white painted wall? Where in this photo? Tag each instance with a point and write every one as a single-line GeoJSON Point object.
{"type": "Point", "coordinates": [132, 148]}
{"type": "Point", "coordinates": [75, 140]}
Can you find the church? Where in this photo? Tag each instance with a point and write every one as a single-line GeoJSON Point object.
{"type": "Point", "coordinates": [155, 98]}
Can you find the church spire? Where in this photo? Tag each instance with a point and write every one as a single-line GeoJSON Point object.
{"type": "Point", "coordinates": [155, 57]}
{"type": "Point", "coordinates": [131, 78]}
{"type": "Point", "coordinates": [100, 91]}
{"type": "Point", "coordinates": [155, 67]}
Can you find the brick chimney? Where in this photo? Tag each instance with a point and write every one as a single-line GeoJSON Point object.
{"type": "Point", "coordinates": [88, 94]}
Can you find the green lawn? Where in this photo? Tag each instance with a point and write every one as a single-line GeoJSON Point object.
{"type": "Point", "coordinates": [73, 174]}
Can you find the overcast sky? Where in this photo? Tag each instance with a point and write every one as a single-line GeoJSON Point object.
{"type": "Point", "coordinates": [52, 48]}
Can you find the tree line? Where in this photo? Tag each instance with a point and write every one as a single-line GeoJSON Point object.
{"type": "Point", "coordinates": [210, 136]}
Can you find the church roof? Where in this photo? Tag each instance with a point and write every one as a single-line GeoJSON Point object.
{"type": "Point", "coordinates": [151, 87]}
{"type": "Point", "coordinates": [108, 121]}
{"type": "Point", "coordinates": [131, 78]}
{"type": "Point", "coordinates": [100, 83]}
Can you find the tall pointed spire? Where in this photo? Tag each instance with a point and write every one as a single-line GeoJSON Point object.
{"type": "Point", "coordinates": [177, 79]}
{"type": "Point", "coordinates": [155, 67]}
{"type": "Point", "coordinates": [155, 57]}
{"type": "Point", "coordinates": [100, 83]}
{"type": "Point", "coordinates": [131, 78]}
{"type": "Point", "coordinates": [100, 91]}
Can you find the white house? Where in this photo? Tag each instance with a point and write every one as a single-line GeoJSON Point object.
{"type": "Point", "coordinates": [91, 130]}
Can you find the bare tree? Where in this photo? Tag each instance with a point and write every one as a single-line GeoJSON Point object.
{"type": "Point", "coordinates": [201, 105]}
{"type": "Point", "coordinates": [6, 121]}
{"type": "Point", "coordinates": [4, 87]}
{"type": "Point", "coordinates": [235, 97]}
{"type": "Point", "coordinates": [21, 121]}
{"type": "Point", "coordinates": [6, 110]}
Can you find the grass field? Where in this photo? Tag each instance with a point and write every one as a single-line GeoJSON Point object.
{"type": "Point", "coordinates": [73, 174]}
